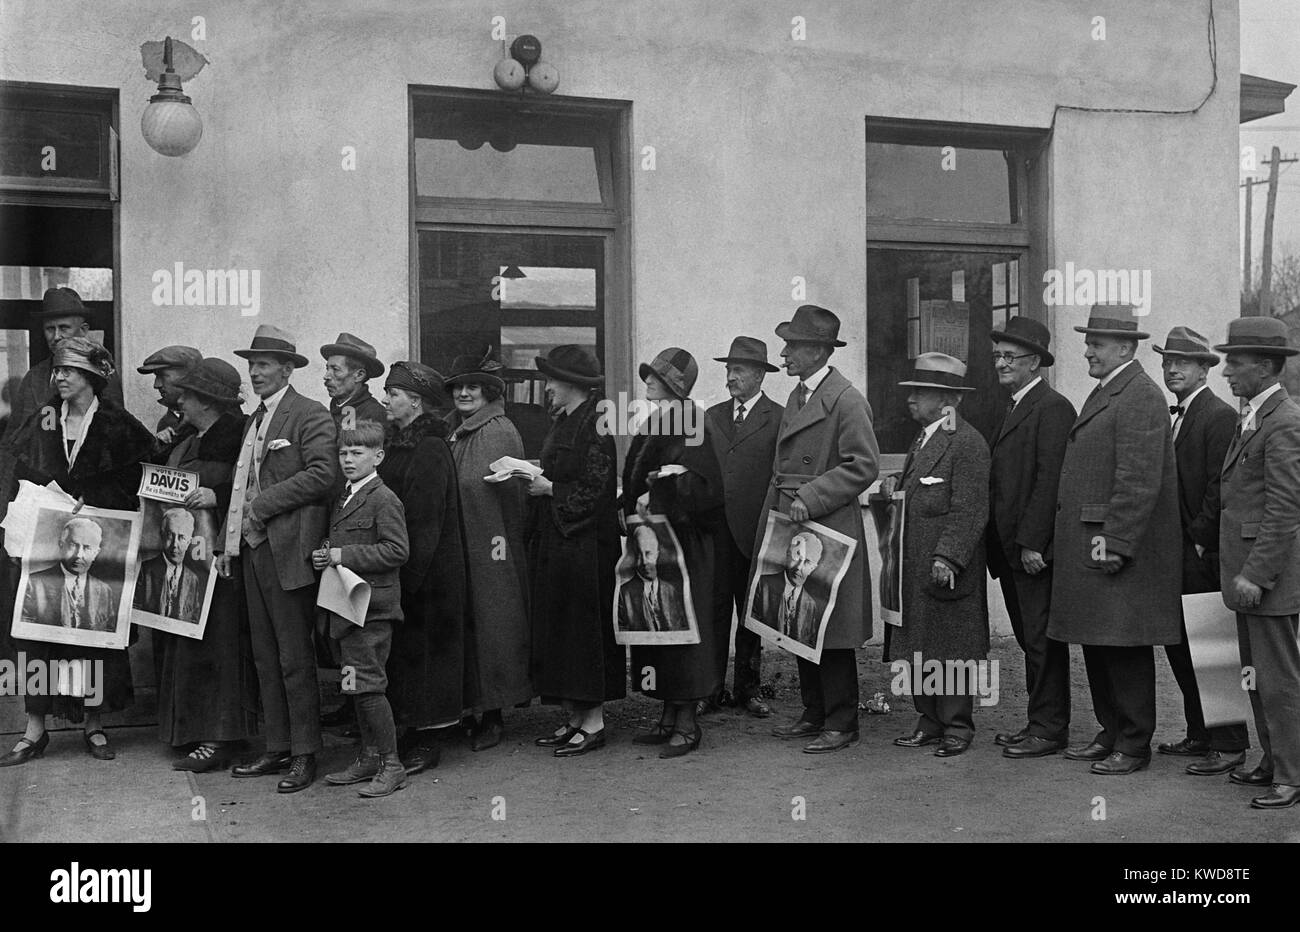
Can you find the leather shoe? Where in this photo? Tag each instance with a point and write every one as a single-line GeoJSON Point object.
{"type": "Point", "coordinates": [1257, 777]}
{"type": "Point", "coordinates": [26, 750]}
{"type": "Point", "coordinates": [488, 736]}
{"type": "Point", "coordinates": [917, 739]}
{"type": "Point", "coordinates": [1281, 797]}
{"type": "Point", "coordinates": [390, 778]}
{"type": "Point", "coordinates": [1188, 747]}
{"type": "Point", "coordinates": [269, 763]}
{"type": "Point", "coordinates": [1006, 739]}
{"type": "Point", "coordinates": [420, 758]}
{"type": "Point", "coordinates": [691, 742]}
{"type": "Point", "coordinates": [799, 729]}
{"type": "Point", "coordinates": [361, 770]}
{"type": "Point", "coordinates": [1118, 764]}
{"type": "Point", "coordinates": [1215, 763]}
{"type": "Point", "coordinates": [1033, 746]}
{"type": "Point", "coordinates": [302, 774]}
{"type": "Point", "coordinates": [829, 741]}
{"type": "Point", "coordinates": [555, 741]}
{"type": "Point", "coordinates": [98, 751]}
{"type": "Point", "coordinates": [951, 746]}
{"type": "Point", "coordinates": [591, 740]}
{"type": "Point", "coordinates": [1090, 751]}
{"type": "Point", "coordinates": [757, 707]}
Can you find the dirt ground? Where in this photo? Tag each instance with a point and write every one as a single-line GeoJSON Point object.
{"type": "Point", "coordinates": [742, 785]}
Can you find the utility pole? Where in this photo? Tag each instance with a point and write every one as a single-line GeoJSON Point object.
{"type": "Point", "coordinates": [1266, 271]}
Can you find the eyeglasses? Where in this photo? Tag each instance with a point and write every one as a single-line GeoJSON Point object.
{"type": "Point", "coordinates": [1010, 357]}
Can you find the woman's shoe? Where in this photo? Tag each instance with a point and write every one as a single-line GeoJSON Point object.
{"type": "Point", "coordinates": [98, 751]}
{"type": "Point", "coordinates": [690, 744]}
{"type": "Point", "coordinates": [657, 735]}
{"type": "Point", "coordinates": [203, 758]}
{"type": "Point", "coordinates": [590, 741]}
{"type": "Point", "coordinates": [488, 735]}
{"type": "Point", "coordinates": [25, 750]}
{"type": "Point", "coordinates": [557, 741]}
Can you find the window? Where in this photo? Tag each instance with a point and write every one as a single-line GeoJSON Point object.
{"type": "Point", "coordinates": [949, 251]}
{"type": "Point", "coordinates": [520, 236]}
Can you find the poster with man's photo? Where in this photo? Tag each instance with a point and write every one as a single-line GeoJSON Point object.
{"type": "Point", "coordinates": [78, 577]}
{"type": "Point", "coordinates": [797, 573]}
{"type": "Point", "coordinates": [173, 587]}
{"type": "Point", "coordinates": [652, 601]}
{"type": "Point", "coordinates": [887, 514]}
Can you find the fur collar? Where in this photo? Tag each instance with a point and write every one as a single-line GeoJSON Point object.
{"type": "Point", "coordinates": [408, 437]}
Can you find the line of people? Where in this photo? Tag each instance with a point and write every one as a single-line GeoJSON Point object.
{"type": "Point", "coordinates": [483, 600]}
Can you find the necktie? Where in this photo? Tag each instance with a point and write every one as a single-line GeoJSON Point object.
{"type": "Point", "coordinates": [77, 597]}
{"type": "Point", "coordinates": [803, 394]}
{"type": "Point", "coordinates": [1246, 415]}
{"type": "Point", "coordinates": [789, 610]}
{"type": "Point", "coordinates": [740, 415]}
{"type": "Point", "coordinates": [1011, 406]}
{"type": "Point", "coordinates": [911, 455]}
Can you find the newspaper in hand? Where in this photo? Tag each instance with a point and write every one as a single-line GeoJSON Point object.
{"type": "Point", "coordinates": [509, 467]}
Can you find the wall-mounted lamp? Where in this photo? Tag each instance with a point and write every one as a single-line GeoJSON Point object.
{"type": "Point", "coordinates": [524, 66]}
{"type": "Point", "coordinates": [170, 123]}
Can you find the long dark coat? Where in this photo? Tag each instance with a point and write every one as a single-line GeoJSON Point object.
{"type": "Point", "coordinates": [1119, 484]}
{"type": "Point", "coordinates": [945, 519]}
{"type": "Point", "coordinates": [745, 457]}
{"type": "Point", "coordinates": [573, 546]}
{"type": "Point", "coordinates": [826, 454]}
{"type": "Point", "coordinates": [497, 651]}
{"type": "Point", "coordinates": [693, 504]}
{"type": "Point", "coordinates": [105, 475]}
{"type": "Point", "coordinates": [207, 690]}
{"type": "Point", "coordinates": [1199, 451]}
{"type": "Point", "coordinates": [426, 663]}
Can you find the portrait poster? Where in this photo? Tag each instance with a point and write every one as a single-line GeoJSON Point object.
{"type": "Point", "coordinates": [175, 572]}
{"type": "Point", "coordinates": [797, 573]}
{"type": "Point", "coordinates": [887, 514]}
{"type": "Point", "coordinates": [652, 598]}
{"type": "Point", "coordinates": [78, 577]}
{"type": "Point", "coordinates": [1216, 658]}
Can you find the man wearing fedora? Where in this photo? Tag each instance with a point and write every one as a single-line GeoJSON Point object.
{"type": "Point", "coordinates": [350, 362]}
{"type": "Point", "coordinates": [1259, 548]}
{"type": "Point", "coordinates": [744, 439]}
{"type": "Point", "coordinates": [169, 366]}
{"type": "Point", "coordinates": [1116, 586]}
{"type": "Point", "coordinates": [62, 315]}
{"type": "Point", "coordinates": [278, 515]}
{"type": "Point", "coordinates": [1202, 426]}
{"type": "Point", "coordinates": [1027, 451]}
{"type": "Point", "coordinates": [826, 456]}
{"type": "Point", "coordinates": [945, 484]}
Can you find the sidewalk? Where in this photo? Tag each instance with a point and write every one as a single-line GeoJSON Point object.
{"type": "Point", "coordinates": [740, 786]}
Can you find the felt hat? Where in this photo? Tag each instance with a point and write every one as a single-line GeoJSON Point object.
{"type": "Point", "coordinates": [573, 364]}
{"type": "Point", "coordinates": [939, 370]}
{"type": "Point", "coordinates": [358, 349]}
{"type": "Point", "coordinates": [676, 367]}
{"type": "Point", "coordinates": [273, 341]}
{"type": "Point", "coordinates": [1184, 341]}
{"type": "Point", "coordinates": [212, 378]}
{"type": "Point", "coordinates": [750, 350]}
{"type": "Point", "coordinates": [812, 324]}
{"type": "Point", "coordinates": [1029, 333]}
{"type": "Point", "coordinates": [1114, 320]}
{"type": "Point", "coordinates": [1264, 335]}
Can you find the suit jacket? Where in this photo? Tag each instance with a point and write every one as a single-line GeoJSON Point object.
{"type": "Point", "coordinates": [370, 530]}
{"type": "Point", "coordinates": [1259, 524]}
{"type": "Point", "coordinates": [769, 609]}
{"type": "Point", "coordinates": [43, 601]}
{"type": "Point", "coordinates": [826, 454]}
{"type": "Point", "coordinates": [296, 482]}
{"type": "Point", "coordinates": [1199, 450]}
{"type": "Point", "coordinates": [745, 456]}
{"type": "Point", "coordinates": [1026, 455]}
{"type": "Point", "coordinates": [1119, 495]}
{"type": "Point", "coordinates": [631, 607]}
{"type": "Point", "coordinates": [151, 587]}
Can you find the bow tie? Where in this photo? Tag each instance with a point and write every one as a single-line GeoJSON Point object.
{"type": "Point", "coordinates": [1177, 409]}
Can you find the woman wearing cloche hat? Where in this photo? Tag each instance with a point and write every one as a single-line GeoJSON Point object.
{"type": "Point", "coordinates": [94, 453]}
{"type": "Point", "coordinates": [691, 498]}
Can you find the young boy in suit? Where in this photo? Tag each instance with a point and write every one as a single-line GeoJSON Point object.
{"type": "Point", "coordinates": [368, 536]}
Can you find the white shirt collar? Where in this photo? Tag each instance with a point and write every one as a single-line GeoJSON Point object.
{"type": "Point", "coordinates": [1019, 396]}
{"type": "Point", "coordinates": [1187, 402]}
{"type": "Point", "coordinates": [816, 379]}
{"type": "Point", "coordinates": [71, 455]}
{"type": "Point", "coordinates": [930, 429]}
{"type": "Point", "coordinates": [353, 486]}
{"type": "Point", "coordinates": [1107, 379]}
{"type": "Point", "coordinates": [749, 405]}
{"type": "Point", "coordinates": [69, 578]}
{"type": "Point", "coordinates": [272, 401]}
{"type": "Point", "coordinates": [790, 588]}
{"type": "Point", "coordinates": [1252, 407]}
